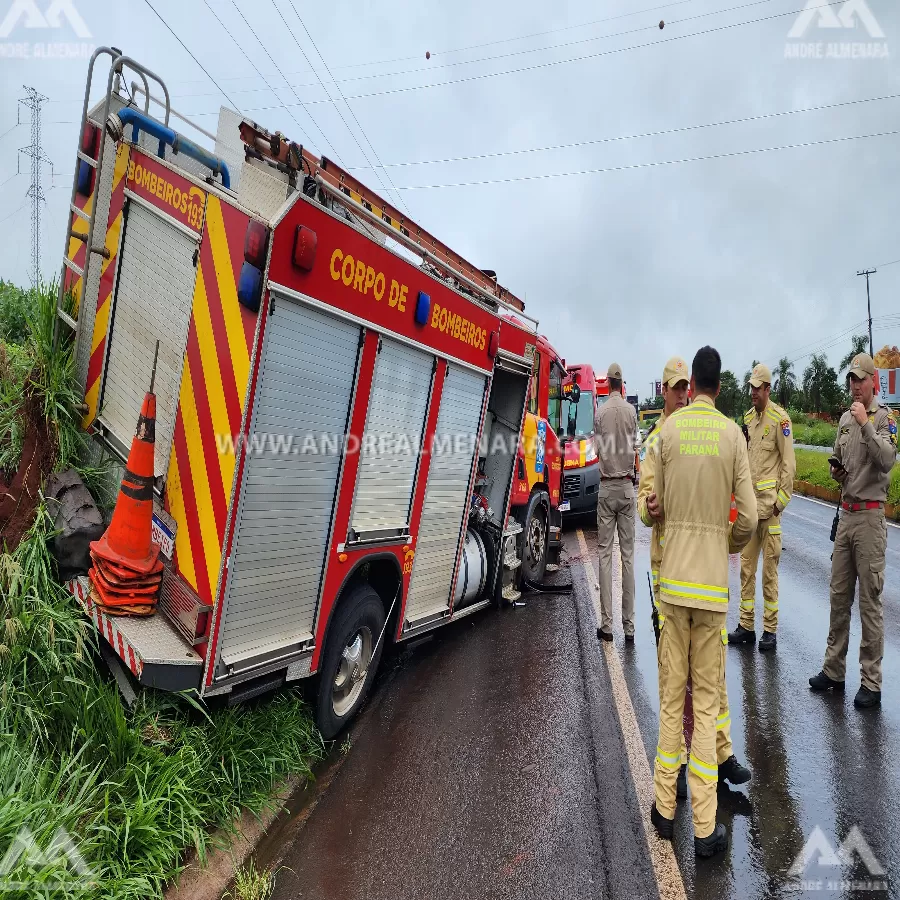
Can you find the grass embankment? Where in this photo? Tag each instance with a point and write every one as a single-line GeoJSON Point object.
{"type": "Point", "coordinates": [133, 788]}
{"type": "Point", "coordinates": [812, 467]}
{"type": "Point", "coordinates": [813, 431]}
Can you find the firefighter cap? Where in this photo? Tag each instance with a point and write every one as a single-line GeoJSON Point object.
{"type": "Point", "coordinates": [862, 365]}
{"type": "Point", "coordinates": [676, 370]}
{"type": "Point", "coordinates": [760, 375]}
{"type": "Point", "coordinates": [614, 371]}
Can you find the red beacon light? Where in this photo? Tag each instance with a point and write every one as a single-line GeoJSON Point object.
{"type": "Point", "coordinates": [305, 243]}
{"type": "Point", "coordinates": [256, 244]}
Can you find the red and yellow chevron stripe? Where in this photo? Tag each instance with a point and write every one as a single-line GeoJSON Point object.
{"type": "Point", "coordinates": [211, 403]}
{"type": "Point", "coordinates": [107, 278]}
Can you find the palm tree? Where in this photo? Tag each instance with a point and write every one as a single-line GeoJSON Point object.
{"type": "Point", "coordinates": [815, 381]}
{"type": "Point", "coordinates": [785, 382]}
{"type": "Point", "coordinates": [859, 344]}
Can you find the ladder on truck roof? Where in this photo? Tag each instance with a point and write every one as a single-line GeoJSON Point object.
{"type": "Point", "coordinates": [102, 161]}
{"type": "Point", "coordinates": [118, 63]}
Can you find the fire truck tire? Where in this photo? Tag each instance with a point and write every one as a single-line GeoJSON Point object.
{"type": "Point", "coordinates": [350, 660]}
{"type": "Point", "coordinates": [535, 537]}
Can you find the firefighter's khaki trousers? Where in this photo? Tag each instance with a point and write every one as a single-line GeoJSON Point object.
{"type": "Point", "coordinates": [691, 644]}
{"type": "Point", "coordinates": [724, 747]}
{"type": "Point", "coordinates": [768, 539]}
{"type": "Point", "coordinates": [616, 511]}
{"type": "Point", "coordinates": [859, 554]}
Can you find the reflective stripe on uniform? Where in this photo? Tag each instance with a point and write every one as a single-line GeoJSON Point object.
{"type": "Point", "coordinates": [662, 540]}
{"type": "Point", "coordinates": [783, 499]}
{"type": "Point", "coordinates": [774, 529]}
{"type": "Point", "coordinates": [748, 605]}
{"type": "Point", "coordinates": [662, 621]}
{"type": "Point", "coordinates": [767, 485]}
{"type": "Point", "coordinates": [704, 770]}
{"type": "Point", "coordinates": [772, 605]}
{"type": "Point", "coordinates": [694, 591]}
{"type": "Point", "coordinates": [668, 761]}
{"type": "Point", "coordinates": [654, 574]}
{"type": "Point", "coordinates": [773, 415]}
{"type": "Point", "coordinates": [724, 720]}
{"type": "Point", "coordinates": [724, 635]}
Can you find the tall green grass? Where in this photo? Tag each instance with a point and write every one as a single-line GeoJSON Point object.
{"type": "Point", "coordinates": [134, 788]}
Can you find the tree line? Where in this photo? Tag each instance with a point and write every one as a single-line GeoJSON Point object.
{"type": "Point", "coordinates": [816, 390]}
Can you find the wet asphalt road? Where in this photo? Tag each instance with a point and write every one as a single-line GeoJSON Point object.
{"type": "Point", "coordinates": [489, 762]}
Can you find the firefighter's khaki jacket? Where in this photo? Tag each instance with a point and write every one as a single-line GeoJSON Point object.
{"type": "Point", "coordinates": [772, 462]}
{"type": "Point", "coordinates": [699, 461]}
{"type": "Point", "coordinates": [657, 535]}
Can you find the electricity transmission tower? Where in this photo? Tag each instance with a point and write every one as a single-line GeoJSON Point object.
{"type": "Point", "coordinates": [35, 152]}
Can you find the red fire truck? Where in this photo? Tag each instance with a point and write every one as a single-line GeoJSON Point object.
{"type": "Point", "coordinates": [536, 488]}
{"type": "Point", "coordinates": [339, 403]}
{"type": "Point", "coordinates": [581, 474]}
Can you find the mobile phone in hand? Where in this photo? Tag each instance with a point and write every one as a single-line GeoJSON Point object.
{"type": "Point", "coordinates": [835, 463]}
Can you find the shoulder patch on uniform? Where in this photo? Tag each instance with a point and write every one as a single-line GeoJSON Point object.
{"type": "Point", "coordinates": [845, 429]}
{"type": "Point", "coordinates": [748, 416]}
{"type": "Point", "coordinates": [892, 426]}
{"type": "Point", "coordinates": [786, 427]}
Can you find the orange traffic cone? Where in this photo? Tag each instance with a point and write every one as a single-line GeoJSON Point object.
{"type": "Point", "coordinates": [127, 541]}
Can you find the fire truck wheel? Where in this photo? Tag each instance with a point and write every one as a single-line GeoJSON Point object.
{"type": "Point", "coordinates": [350, 659]}
{"type": "Point", "coordinates": [535, 538]}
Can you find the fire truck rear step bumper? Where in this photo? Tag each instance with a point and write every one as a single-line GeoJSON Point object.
{"type": "Point", "coordinates": [151, 649]}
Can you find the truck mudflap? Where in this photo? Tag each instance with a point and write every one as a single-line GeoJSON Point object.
{"type": "Point", "coordinates": [151, 649]}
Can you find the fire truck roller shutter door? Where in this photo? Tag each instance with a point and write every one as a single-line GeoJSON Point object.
{"type": "Point", "coordinates": [287, 500]}
{"type": "Point", "coordinates": [394, 425]}
{"type": "Point", "coordinates": [446, 493]}
{"type": "Point", "coordinates": [152, 303]}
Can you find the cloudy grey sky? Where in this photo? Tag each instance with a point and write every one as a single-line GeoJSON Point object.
{"type": "Point", "coordinates": [756, 253]}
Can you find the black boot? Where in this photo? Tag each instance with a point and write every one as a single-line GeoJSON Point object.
{"type": "Point", "coordinates": [604, 635]}
{"type": "Point", "coordinates": [681, 784]}
{"type": "Point", "coordinates": [742, 635]}
{"type": "Point", "coordinates": [866, 698]}
{"type": "Point", "coordinates": [731, 770]}
{"type": "Point", "coordinates": [664, 827]}
{"type": "Point", "coordinates": [822, 682]}
{"type": "Point", "coordinates": [715, 843]}
{"type": "Point", "coordinates": [768, 642]}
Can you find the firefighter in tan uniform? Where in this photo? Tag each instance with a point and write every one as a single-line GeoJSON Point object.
{"type": "Point", "coordinates": [772, 468]}
{"type": "Point", "coordinates": [675, 393]}
{"type": "Point", "coordinates": [698, 463]}
{"type": "Point", "coordinates": [618, 443]}
{"type": "Point", "coordinates": [866, 450]}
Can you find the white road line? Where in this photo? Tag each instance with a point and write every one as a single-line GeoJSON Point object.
{"type": "Point", "coordinates": [662, 856]}
{"type": "Point", "coordinates": [828, 506]}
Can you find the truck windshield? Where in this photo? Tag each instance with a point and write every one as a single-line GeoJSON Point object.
{"type": "Point", "coordinates": [581, 416]}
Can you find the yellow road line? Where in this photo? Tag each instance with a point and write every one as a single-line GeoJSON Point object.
{"type": "Point", "coordinates": [662, 856]}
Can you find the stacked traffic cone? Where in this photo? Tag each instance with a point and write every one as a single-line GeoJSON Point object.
{"type": "Point", "coordinates": [127, 572]}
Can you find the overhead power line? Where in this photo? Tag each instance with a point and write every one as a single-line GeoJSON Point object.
{"type": "Point", "coordinates": [6, 218]}
{"type": "Point", "coordinates": [649, 165]}
{"type": "Point", "coordinates": [255, 68]}
{"type": "Point", "coordinates": [523, 37]}
{"type": "Point", "coordinates": [529, 50]}
{"type": "Point", "coordinates": [515, 53]}
{"type": "Point", "coordinates": [192, 56]}
{"type": "Point", "coordinates": [587, 56]}
{"type": "Point", "coordinates": [349, 107]}
{"type": "Point", "coordinates": [302, 105]}
{"type": "Point", "coordinates": [630, 137]}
